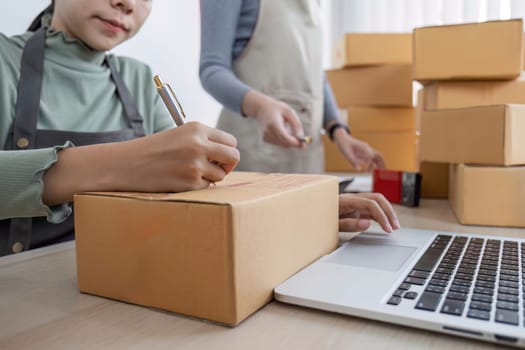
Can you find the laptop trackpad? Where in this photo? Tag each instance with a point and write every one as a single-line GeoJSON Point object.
{"type": "Point", "coordinates": [372, 254]}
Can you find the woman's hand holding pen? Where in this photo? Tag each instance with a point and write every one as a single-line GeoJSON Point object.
{"type": "Point", "coordinates": [185, 158]}
{"type": "Point", "coordinates": [358, 152]}
{"type": "Point", "coordinates": [278, 121]}
{"type": "Point", "coordinates": [188, 157]}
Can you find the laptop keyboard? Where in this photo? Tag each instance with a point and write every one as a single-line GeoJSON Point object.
{"type": "Point", "coordinates": [470, 277]}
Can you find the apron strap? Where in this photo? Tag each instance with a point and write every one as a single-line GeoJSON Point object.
{"type": "Point", "coordinates": [134, 118]}
{"type": "Point", "coordinates": [29, 88]}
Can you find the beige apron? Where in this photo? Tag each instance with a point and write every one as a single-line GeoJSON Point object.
{"type": "Point", "coordinates": [283, 59]}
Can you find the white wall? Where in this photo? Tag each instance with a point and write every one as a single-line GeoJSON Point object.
{"type": "Point", "coordinates": [405, 15]}
{"type": "Point", "coordinates": [169, 42]}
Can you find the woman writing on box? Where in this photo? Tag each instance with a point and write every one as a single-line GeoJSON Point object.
{"type": "Point", "coordinates": [59, 89]}
{"type": "Point", "coordinates": [261, 59]}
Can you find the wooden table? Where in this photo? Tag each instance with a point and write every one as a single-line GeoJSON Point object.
{"type": "Point", "coordinates": [41, 308]}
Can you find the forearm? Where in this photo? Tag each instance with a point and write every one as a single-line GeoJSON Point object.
{"type": "Point", "coordinates": [224, 86]}
{"type": "Point", "coordinates": [254, 102]}
{"type": "Point", "coordinates": [180, 159]}
{"type": "Point", "coordinates": [87, 168]}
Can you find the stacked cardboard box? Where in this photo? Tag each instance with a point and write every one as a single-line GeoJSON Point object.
{"type": "Point", "coordinates": [472, 115]}
{"type": "Point", "coordinates": [373, 85]}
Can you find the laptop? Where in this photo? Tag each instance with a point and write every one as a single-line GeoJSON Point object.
{"type": "Point", "coordinates": [461, 284]}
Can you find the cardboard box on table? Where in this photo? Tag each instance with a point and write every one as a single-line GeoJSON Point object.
{"type": "Point", "coordinates": [486, 195]}
{"type": "Point", "coordinates": [361, 49]}
{"type": "Point", "coordinates": [489, 50]}
{"type": "Point", "coordinates": [490, 135]}
{"type": "Point", "coordinates": [214, 254]}
{"type": "Point", "coordinates": [386, 85]}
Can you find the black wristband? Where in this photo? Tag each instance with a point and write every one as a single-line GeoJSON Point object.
{"type": "Point", "coordinates": [332, 129]}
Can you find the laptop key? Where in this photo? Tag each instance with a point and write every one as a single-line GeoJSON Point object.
{"type": "Point", "coordinates": [428, 301]}
{"type": "Point", "coordinates": [507, 306]}
{"type": "Point", "coordinates": [509, 278]}
{"type": "Point", "coordinates": [394, 300]}
{"type": "Point", "coordinates": [487, 278]}
{"type": "Point", "coordinates": [482, 290]}
{"type": "Point", "coordinates": [398, 293]}
{"type": "Point", "coordinates": [419, 274]}
{"type": "Point", "coordinates": [482, 297]}
{"type": "Point", "coordinates": [453, 307]}
{"type": "Point", "coordinates": [415, 280]}
{"type": "Point", "coordinates": [461, 283]}
{"type": "Point", "coordinates": [410, 295]}
{"type": "Point", "coordinates": [480, 306]}
{"type": "Point", "coordinates": [429, 259]}
{"type": "Point", "coordinates": [459, 289]}
{"type": "Point", "coordinates": [508, 298]}
{"type": "Point", "coordinates": [404, 286]}
{"type": "Point", "coordinates": [457, 296]}
{"type": "Point", "coordinates": [436, 282]}
{"type": "Point", "coordinates": [511, 291]}
{"type": "Point", "coordinates": [435, 289]}
{"type": "Point", "coordinates": [485, 284]}
{"type": "Point", "coordinates": [478, 314]}
{"type": "Point", "coordinates": [506, 316]}
{"type": "Point", "coordinates": [509, 284]}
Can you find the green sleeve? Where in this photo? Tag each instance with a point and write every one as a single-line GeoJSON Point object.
{"type": "Point", "coordinates": [22, 184]}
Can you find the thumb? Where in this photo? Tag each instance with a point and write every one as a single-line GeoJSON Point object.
{"type": "Point", "coordinates": [290, 117]}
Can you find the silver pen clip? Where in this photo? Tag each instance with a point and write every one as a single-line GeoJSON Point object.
{"type": "Point", "coordinates": [170, 100]}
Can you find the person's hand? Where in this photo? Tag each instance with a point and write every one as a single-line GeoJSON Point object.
{"type": "Point", "coordinates": [358, 152]}
{"type": "Point", "coordinates": [188, 157]}
{"type": "Point", "coordinates": [278, 121]}
{"type": "Point", "coordinates": [357, 210]}
{"type": "Point", "coordinates": [185, 158]}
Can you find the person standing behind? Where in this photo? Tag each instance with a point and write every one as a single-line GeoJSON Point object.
{"type": "Point", "coordinates": [261, 59]}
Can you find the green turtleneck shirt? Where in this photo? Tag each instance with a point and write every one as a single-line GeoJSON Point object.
{"type": "Point", "coordinates": [77, 95]}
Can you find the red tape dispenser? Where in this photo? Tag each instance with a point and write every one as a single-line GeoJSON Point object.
{"type": "Point", "coordinates": [398, 186]}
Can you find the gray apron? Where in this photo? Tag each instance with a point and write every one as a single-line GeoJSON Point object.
{"type": "Point", "coordinates": [283, 59]}
{"type": "Point", "coordinates": [21, 234]}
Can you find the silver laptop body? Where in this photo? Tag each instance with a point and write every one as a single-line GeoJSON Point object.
{"type": "Point", "coordinates": [466, 285]}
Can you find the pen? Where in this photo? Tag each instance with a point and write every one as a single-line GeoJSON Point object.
{"type": "Point", "coordinates": [305, 139]}
{"type": "Point", "coordinates": [170, 100]}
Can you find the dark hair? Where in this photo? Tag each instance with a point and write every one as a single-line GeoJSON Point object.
{"type": "Point", "coordinates": [37, 22]}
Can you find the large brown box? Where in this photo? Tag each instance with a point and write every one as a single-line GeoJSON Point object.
{"type": "Point", "coordinates": [216, 253]}
{"type": "Point", "coordinates": [484, 195]}
{"type": "Point", "coordinates": [459, 94]}
{"type": "Point", "coordinates": [491, 135]}
{"type": "Point", "coordinates": [361, 49]}
{"type": "Point", "coordinates": [387, 85]}
{"type": "Point", "coordinates": [489, 50]}
{"type": "Point", "coordinates": [398, 149]}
